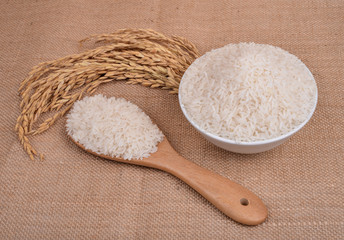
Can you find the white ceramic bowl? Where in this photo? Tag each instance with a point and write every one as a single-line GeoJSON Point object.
{"type": "Point", "coordinates": [248, 147]}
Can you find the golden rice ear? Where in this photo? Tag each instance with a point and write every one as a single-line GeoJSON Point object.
{"type": "Point", "coordinates": [138, 56]}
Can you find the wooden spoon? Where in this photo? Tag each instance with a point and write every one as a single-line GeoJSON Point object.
{"type": "Point", "coordinates": [232, 199]}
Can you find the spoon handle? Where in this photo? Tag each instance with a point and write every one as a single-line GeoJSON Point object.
{"type": "Point", "coordinates": [232, 199]}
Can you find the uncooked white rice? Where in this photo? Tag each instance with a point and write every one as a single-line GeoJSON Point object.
{"type": "Point", "coordinates": [113, 127]}
{"type": "Point", "coordinates": [248, 92]}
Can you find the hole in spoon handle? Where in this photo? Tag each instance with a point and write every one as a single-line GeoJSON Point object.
{"type": "Point", "coordinates": [244, 202]}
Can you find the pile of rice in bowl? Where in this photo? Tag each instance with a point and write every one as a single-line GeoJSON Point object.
{"type": "Point", "coordinates": [248, 92]}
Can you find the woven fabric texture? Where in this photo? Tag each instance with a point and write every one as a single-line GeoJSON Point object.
{"type": "Point", "coordinates": [74, 195]}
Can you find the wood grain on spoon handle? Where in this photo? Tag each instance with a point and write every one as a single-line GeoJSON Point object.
{"type": "Point", "coordinates": [232, 199]}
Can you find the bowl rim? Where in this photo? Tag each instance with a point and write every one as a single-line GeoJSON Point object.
{"type": "Point", "coordinates": [255, 143]}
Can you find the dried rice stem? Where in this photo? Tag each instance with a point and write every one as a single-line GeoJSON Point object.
{"type": "Point", "coordinates": [138, 56]}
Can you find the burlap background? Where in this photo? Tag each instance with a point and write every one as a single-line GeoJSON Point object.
{"type": "Point", "coordinates": [73, 195]}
